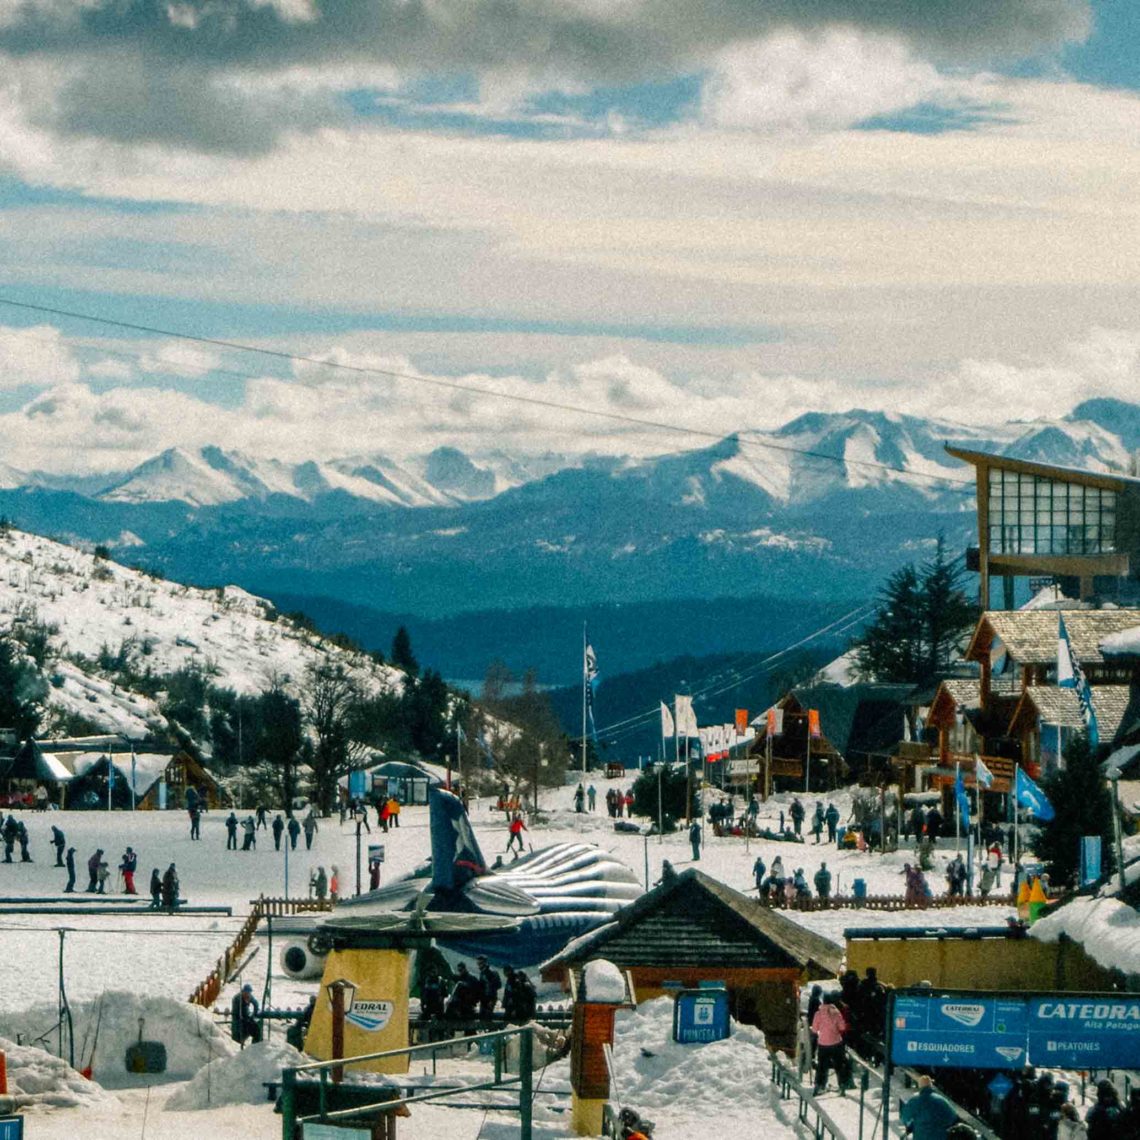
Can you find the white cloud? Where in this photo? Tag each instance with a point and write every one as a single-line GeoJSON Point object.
{"type": "Point", "coordinates": [35, 356]}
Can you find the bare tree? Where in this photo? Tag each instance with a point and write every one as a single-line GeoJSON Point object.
{"type": "Point", "coordinates": [330, 701]}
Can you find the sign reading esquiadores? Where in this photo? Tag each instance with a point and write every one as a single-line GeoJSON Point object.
{"type": "Point", "coordinates": [958, 1031]}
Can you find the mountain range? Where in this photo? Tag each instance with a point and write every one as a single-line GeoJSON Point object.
{"type": "Point", "coordinates": [815, 513]}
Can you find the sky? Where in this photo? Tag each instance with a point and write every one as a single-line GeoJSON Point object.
{"type": "Point", "coordinates": [715, 216]}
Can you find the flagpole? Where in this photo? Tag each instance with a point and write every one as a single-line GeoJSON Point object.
{"type": "Point", "coordinates": [1016, 830]}
{"type": "Point", "coordinates": [584, 684]}
{"type": "Point", "coordinates": [957, 808]}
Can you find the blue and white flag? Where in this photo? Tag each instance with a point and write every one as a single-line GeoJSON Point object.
{"type": "Point", "coordinates": [1030, 796]}
{"type": "Point", "coordinates": [1070, 675]}
{"type": "Point", "coordinates": [589, 679]}
{"type": "Point", "coordinates": [962, 799]}
{"type": "Point", "coordinates": [983, 777]}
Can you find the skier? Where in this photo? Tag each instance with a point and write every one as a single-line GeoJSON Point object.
{"type": "Point", "coordinates": [579, 799]}
{"type": "Point", "coordinates": [928, 1113]}
{"type": "Point", "coordinates": [334, 884]}
{"type": "Point", "coordinates": [797, 813]}
{"type": "Point", "coordinates": [155, 890]}
{"type": "Point", "coordinates": [70, 888]}
{"type": "Point", "coordinates": [249, 834]}
{"type": "Point", "coordinates": [517, 828]}
{"type": "Point", "coordinates": [278, 828]}
{"type": "Point", "coordinates": [490, 982]}
{"type": "Point", "coordinates": [59, 843]}
{"type": "Point", "coordinates": [591, 797]}
{"type": "Point", "coordinates": [244, 1025]}
{"type": "Point", "coordinates": [829, 1026]}
{"type": "Point", "coordinates": [777, 877]}
{"type": "Point", "coordinates": [803, 891]}
{"type": "Point", "coordinates": [231, 832]}
{"type": "Point", "coordinates": [319, 883]}
{"type": "Point", "coordinates": [262, 822]}
{"type": "Point", "coordinates": [695, 840]}
{"type": "Point", "coordinates": [831, 818]}
{"type": "Point", "coordinates": [196, 821]}
{"type": "Point", "coordinates": [294, 829]}
{"type": "Point", "coordinates": [818, 821]}
{"type": "Point", "coordinates": [128, 866]}
{"type": "Point", "coordinates": [310, 828]}
{"type": "Point", "coordinates": [103, 874]}
{"type": "Point", "coordinates": [170, 888]}
{"type": "Point", "coordinates": [823, 882]}
{"type": "Point", "coordinates": [465, 995]}
{"type": "Point", "coordinates": [93, 871]}
{"type": "Point", "coordinates": [22, 837]}
{"type": "Point", "coordinates": [393, 812]}
{"type": "Point", "coordinates": [758, 870]}
{"type": "Point", "coordinates": [9, 831]}
{"type": "Point", "coordinates": [431, 995]}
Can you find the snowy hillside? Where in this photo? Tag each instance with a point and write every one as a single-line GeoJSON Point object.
{"type": "Point", "coordinates": [91, 606]}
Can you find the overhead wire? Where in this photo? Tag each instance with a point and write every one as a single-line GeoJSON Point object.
{"type": "Point", "coordinates": [746, 438]}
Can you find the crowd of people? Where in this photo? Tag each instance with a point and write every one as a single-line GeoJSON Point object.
{"type": "Point", "coordinates": [474, 996]}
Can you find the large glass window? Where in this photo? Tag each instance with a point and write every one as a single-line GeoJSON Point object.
{"type": "Point", "coordinates": [1033, 515]}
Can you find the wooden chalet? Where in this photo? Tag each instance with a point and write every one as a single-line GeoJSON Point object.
{"type": "Point", "coordinates": [692, 929]}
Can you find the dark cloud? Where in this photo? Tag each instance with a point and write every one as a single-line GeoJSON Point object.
{"type": "Point", "coordinates": [171, 59]}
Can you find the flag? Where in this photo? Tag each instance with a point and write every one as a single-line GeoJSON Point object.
{"type": "Point", "coordinates": [962, 799]}
{"type": "Point", "coordinates": [1070, 675]}
{"type": "Point", "coordinates": [686, 718]}
{"type": "Point", "coordinates": [983, 777]}
{"type": "Point", "coordinates": [1030, 796]}
{"type": "Point", "coordinates": [813, 724]}
{"type": "Point", "coordinates": [589, 680]}
{"type": "Point", "coordinates": [775, 722]}
{"type": "Point", "coordinates": [667, 728]}
{"type": "Point", "coordinates": [741, 722]}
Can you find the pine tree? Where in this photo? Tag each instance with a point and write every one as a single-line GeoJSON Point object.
{"type": "Point", "coordinates": [402, 656]}
{"type": "Point", "coordinates": [23, 692]}
{"type": "Point", "coordinates": [1083, 805]}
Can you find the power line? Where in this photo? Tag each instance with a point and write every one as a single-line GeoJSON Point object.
{"type": "Point", "coordinates": [966, 485]}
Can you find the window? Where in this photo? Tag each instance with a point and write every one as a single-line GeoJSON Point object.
{"type": "Point", "coordinates": [1029, 514]}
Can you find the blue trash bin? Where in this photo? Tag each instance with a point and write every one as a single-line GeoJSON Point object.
{"type": "Point", "coordinates": [859, 889]}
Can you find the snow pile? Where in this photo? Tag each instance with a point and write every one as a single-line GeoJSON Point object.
{"type": "Point", "coordinates": [109, 1025]}
{"type": "Point", "coordinates": [238, 1079]}
{"type": "Point", "coordinates": [1126, 642]}
{"type": "Point", "coordinates": [39, 1080]}
{"type": "Point", "coordinates": [656, 1074]}
{"type": "Point", "coordinates": [603, 982]}
{"type": "Point", "coordinates": [1107, 929]}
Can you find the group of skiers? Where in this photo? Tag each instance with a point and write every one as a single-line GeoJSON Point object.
{"type": "Point", "coordinates": [584, 796]}
{"type": "Point", "coordinates": [163, 885]}
{"type": "Point", "coordinates": [775, 885]}
{"type": "Point", "coordinates": [619, 803]}
{"type": "Point", "coordinates": [15, 831]}
{"type": "Point", "coordinates": [854, 1015]}
{"type": "Point", "coordinates": [473, 997]}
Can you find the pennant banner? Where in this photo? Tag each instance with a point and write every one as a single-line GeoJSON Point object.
{"type": "Point", "coordinates": [667, 728]}
{"type": "Point", "coordinates": [813, 724]}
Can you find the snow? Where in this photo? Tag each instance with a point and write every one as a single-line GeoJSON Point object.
{"type": "Point", "coordinates": [1108, 929]}
{"type": "Point", "coordinates": [604, 982]}
{"type": "Point", "coordinates": [1127, 641]}
{"type": "Point", "coordinates": [39, 1081]}
{"type": "Point", "coordinates": [237, 1079]}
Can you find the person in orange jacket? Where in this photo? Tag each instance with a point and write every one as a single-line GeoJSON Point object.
{"type": "Point", "coordinates": [517, 828]}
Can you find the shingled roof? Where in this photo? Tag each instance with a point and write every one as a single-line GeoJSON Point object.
{"type": "Point", "coordinates": [692, 920]}
{"type": "Point", "coordinates": [1058, 706]}
{"type": "Point", "coordinates": [1030, 636]}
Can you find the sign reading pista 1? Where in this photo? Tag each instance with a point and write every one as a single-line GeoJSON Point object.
{"type": "Point", "coordinates": [985, 1031]}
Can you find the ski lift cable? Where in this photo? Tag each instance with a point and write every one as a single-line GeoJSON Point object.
{"type": "Point", "coordinates": [961, 486]}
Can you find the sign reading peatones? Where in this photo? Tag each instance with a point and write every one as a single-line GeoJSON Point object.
{"type": "Point", "coordinates": [1085, 1033]}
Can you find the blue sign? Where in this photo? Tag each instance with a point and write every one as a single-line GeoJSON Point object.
{"type": "Point", "coordinates": [956, 1031]}
{"type": "Point", "coordinates": [1090, 859]}
{"type": "Point", "coordinates": [356, 784]}
{"type": "Point", "coordinates": [700, 1016]}
{"type": "Point", "coordinates": [1080, 1032]}
{"type": "Point", "coordinates": [11, 1128]}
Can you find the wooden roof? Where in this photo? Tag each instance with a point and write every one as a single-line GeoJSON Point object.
{"type": "Point", "coordinates": [1053, 705]}
{"type": "Point", "coordinates": [1030, 636]}
{"type": "Point", "coordinates": [692, 920]}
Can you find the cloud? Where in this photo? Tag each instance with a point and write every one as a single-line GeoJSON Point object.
{"type": "Point", "coordinates": [35, 357]}
{"type": "Point", "coordinates": [221, 75]}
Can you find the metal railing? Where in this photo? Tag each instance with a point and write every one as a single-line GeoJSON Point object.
{"type": "Point", "coordinates": [328, 1087]}
{"type": "Point", "coordinates": [811, 1113]}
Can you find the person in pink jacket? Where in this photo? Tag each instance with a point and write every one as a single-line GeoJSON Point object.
{"type": "Point", "coordinates": [829, 1026]}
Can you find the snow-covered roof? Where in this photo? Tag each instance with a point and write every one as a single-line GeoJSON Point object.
{"type": "Point", "coordinates": [1030, 636]}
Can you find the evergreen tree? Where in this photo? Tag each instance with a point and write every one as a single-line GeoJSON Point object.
{"type": "Point", "coordinates": [23, 692]}
{"type": "Point", "coordinates": [280, 738]}
{"type": "Point", "coordinates": [673, 784]}
{"type": "Point", "coordinates": [402, 656]}
{"type": "Point", "coordinates": [1082, 803]}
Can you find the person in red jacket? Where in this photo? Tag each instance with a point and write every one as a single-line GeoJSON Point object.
{"type": "Point", "coordinates": [517, 828]}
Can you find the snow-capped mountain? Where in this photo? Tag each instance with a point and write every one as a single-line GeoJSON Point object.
{"type": "Point", "coordinates": [94, 607]}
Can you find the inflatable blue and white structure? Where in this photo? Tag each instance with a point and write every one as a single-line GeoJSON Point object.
{"type": "Point", "coordinates": [555, 894]}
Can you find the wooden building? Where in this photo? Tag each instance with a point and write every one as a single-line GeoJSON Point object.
{"type": "Point", "coordinates": [693, 929]}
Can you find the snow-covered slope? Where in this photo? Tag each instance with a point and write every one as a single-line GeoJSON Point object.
{"type": "Point", "coordinates": [92, 606]}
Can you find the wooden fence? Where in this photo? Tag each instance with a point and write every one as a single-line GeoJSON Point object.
{"type": "Point", "coordinates": [890, 902]}
{"type": "Point", "coordinates": [207, 991]}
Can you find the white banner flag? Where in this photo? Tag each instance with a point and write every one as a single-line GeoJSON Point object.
{"type": "Point", "coordinates": [666, 720]}
{"type": "Point", "coordinates": [686, 718]}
